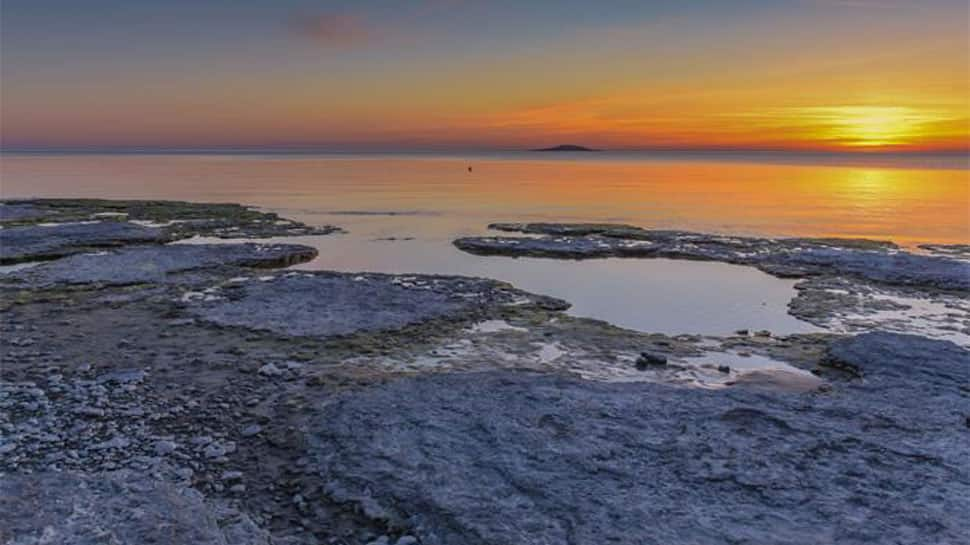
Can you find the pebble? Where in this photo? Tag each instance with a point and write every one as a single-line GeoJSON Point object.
{"type": "Point", "coordinates": [648, 359]}
{"type": "Point", "coordinates": [251, 430]}
{"type": "Point", "coordinates": [270, 370]}
{"type": "Point", "coordinates": [164, 447]}
{"type": "Point", "coordinates": [89, 411]}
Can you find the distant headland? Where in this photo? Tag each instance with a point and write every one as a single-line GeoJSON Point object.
{"type": "Point", "coordinates": [566, 147]}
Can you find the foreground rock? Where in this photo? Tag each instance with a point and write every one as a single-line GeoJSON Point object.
{"type": "Point", "coordinates": [869, 260]}
{"type": "Point", "coordinates": [121, 507]}
{"type": "Point", "coordinates": [512, 457]}
{"type": "Point", "coordinates": [147, 264]}
{"type": "Point", "coordinates": [329, 304]}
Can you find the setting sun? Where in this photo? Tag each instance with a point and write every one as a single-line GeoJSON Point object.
{"type": "Point", "coordinates": [871, 126]}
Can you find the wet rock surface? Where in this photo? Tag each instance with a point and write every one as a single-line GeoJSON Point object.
{"type": "Point", "coordinates": [846, 306]}
{"type": "Point", "coordinates": [179, 219]}
{"type": "Point", "coordinates": [869, 260]}
{"type": "Point", "coordinates": [144, 264]}
{"type": "Point", "coordinates": [513, 457]}
{"type": "Point", "coordinates": [39, 229]}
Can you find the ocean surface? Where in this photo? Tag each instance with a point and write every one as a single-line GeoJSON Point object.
{"type": "Point", "coordinates": [402, 211]}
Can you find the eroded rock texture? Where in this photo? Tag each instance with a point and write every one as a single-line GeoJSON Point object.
{"type": "Point", "coordinates": [113, 508]}
{"type": "Point", "coordinates": [514, 457]}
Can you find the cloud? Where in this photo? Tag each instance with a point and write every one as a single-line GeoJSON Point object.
{"type": "Point", "coordinates": [334, 29]}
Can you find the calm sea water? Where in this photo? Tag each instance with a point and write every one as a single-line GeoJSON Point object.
{"type": "Point", "coordinates": [425, 201]}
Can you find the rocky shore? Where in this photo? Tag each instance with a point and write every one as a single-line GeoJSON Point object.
{"type": "Point", "coordinates": [849, 285]}
{"type": "Point", "coordinates": [159, 392]}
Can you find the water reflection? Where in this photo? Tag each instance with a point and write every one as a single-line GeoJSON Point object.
{"type": "Point", "coordinates": [656, 295]}
{"type": "Point", "coordinates": [909, 205]}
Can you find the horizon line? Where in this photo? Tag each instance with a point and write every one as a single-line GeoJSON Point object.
{"type": "Point", "coordinates": [310, 149]}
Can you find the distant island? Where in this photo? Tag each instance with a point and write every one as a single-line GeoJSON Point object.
{"type": "Point", "coordinates": [566, 147]}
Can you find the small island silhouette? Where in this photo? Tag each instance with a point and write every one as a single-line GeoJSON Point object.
{"type": "Point", "coordinates": [566, 147]}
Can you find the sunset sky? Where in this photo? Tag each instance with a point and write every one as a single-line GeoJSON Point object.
{"type": "Point", "coordinates": [859, 75]}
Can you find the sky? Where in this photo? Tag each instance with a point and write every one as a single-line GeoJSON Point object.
{"type": "Point", "coordinates": [820, 75]}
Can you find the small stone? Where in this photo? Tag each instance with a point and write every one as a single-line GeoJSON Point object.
{"type": "Point", "coordinates": [114, 442]}
{"type": "Point", "coordinates": [237, 488]}
{"type": "Point", "coordinates": [270, 370]}
{"type": "Point", "coordinates": [164, 447]}
{"type": "Point", "coordinates": [724, 368]}
{"type": "Point", "coordinates": [214, 450]}
{"type": "Point", "coordinates": [742, 332]}
{"type": "Point", "coordinates": [251, 430]}
{"type": "Point", "coordinates": [407, 540]}
{"type": "Point", "coordinates": [762, 333]}
{"type": "Point", "coordinates": [90, 411]}
{"type": "Point", "coordinates": [232, 475]}
{"type": "Point", "coordinates": [648, 359]}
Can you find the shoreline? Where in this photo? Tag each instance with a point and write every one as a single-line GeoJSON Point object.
{"type": "Point", "coordinates": [300, 407]}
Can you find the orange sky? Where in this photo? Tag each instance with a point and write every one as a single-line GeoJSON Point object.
{"type": "Point", "coordinates": [815, 75]}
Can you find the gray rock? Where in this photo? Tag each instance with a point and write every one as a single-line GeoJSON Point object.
{"type": "Point", "coordinates": [30, 243]}
{"type": "Point", "coordinates": [218, 450]}
{"type": "Point", "coordinates": [123, 376]}
{"type": "Point", "coordinates": [89, 411]}
{"type": "Point", "coordinates": [122, 507]}
{"type": "Point", "coordinates": [331, 304]}
{"type": "Point", "coordinates": [19, 211]}
{"type": "Point", "coordinates": [251, 430]}
{"type": "Point", "coordinates": [798, 257]}
{"type": "Point", "coordinates": [164, 447]}
{"type": "Point", "coordinates": [649, 359]}
{"type": "Point", "coordinates": [512, 457]}
{"type": "Point", "coordinates": [270, 370]}
{"type": "Point", "coordinates": [116, 442]}
{"type": "Point", "coordinates": [176, 218]}
{"type": "Point", "coordinates": [144, 264]}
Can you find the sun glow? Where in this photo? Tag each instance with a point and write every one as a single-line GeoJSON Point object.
{"type": "Point", "coordinates": [871, 126]}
